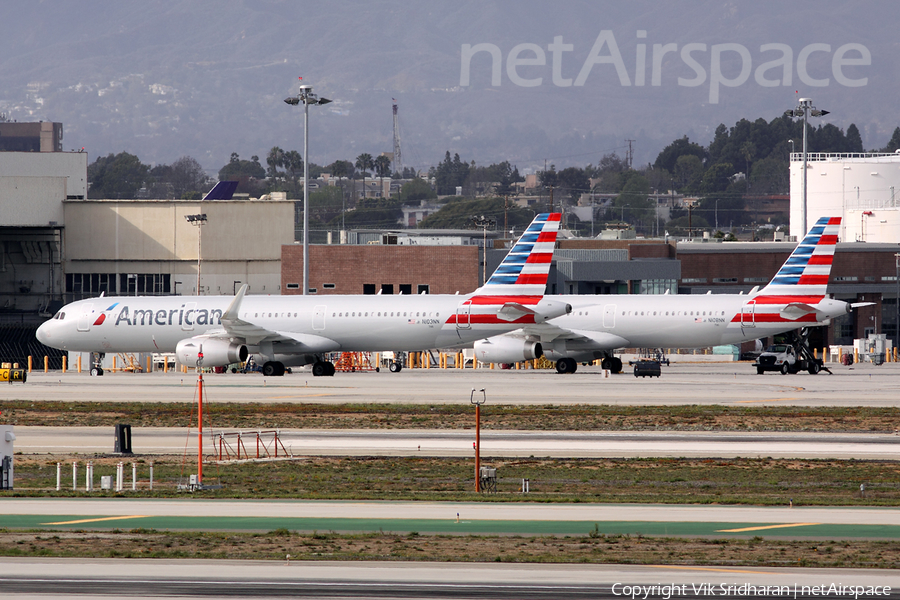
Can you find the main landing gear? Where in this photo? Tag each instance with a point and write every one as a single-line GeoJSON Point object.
{"type": "Point", "coordinates": [273, 368]}
{"type": "Point", "coordinates": [323, 368]}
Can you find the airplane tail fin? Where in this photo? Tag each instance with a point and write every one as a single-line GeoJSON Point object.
{"type": "Point", "coordinates": [804, 276]}
{"type": "Point", "coordinates": [525, 269]}
{"type": "Point", "coordinates": [223, 190]}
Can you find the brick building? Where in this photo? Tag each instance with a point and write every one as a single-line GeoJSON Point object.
{"type": "Point", "coordinates": [389, 269]}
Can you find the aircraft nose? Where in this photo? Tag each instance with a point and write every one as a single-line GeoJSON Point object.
{"type": "Point", "coordinates": [43, 333]}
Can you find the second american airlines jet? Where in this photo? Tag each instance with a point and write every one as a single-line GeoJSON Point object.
{"type": "Point", "coordinates": [796, 297]}
{"type": "Point", "coordinates": [283, 331]}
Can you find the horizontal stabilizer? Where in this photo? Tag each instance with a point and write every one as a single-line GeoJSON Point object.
{"type": "Point", "coordinates": [512, 311]}
{"type": "Point", "coordinates": [795, 310]}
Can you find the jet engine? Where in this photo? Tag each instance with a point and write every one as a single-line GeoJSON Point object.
{"type": "Point", "coordinates": [507, 350]}
{"type": "Point", "coordinates": [216, 352]}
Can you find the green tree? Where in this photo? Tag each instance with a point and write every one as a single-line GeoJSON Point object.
{"type": "Point", "coordinates": [382, 165]}
{"type": "Point", "coordinates": [573, 182]}
{"type": "Point", "coordinates": [894, 144]}
{"type": "Point", "coordinates": [669, 156]}
{"type": "Point", "coordinates": [238, 169]}
{"type": "Point", "coordinates": [274, 159]}
{"type": "Point", "coordinates": [416, 191]}
{"type": "Point", "coordinates": [633, 203]}
{"type": "Point", "coordinates": [364, 162]}
{"type": "Point", "coordinates": [187, 176]}
{"type": "Point", "coordinates": [450, 174]}
{"type": "Point", "coordinates": [116, 176]}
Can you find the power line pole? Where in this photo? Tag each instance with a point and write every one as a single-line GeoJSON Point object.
{"type": "Point", "coordinates": [629, 154]}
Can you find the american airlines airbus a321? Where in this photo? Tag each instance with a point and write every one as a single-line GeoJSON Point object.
{"type": "Point", "coordinates": [795, 298]}
{"type": "Point", "coordinates": [283, 331]}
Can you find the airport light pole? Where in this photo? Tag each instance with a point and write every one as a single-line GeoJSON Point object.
{"type": "Point", "coordinates": [306, 97]}
{"type": "Point", "coordinates": [478, 402]}
{"type": "Point", "coordinates": [804, 110]}
{"type": "Point", "coordinates": [484, 223]}
{"type": "Point", "coordinates": [199, 221]}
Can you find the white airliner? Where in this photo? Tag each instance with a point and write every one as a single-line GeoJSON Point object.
{"type": "Point", "coordinates": [285, 331]}
{"type": "Point", "coordinates": [598, 325]}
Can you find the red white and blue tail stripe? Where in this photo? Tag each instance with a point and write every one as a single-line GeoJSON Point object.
{"type": "Point", "coordinates": [525, 269]}
{"type": "Point", "coordinates": [796, 295]}
{"type": "Point", "coordinates": [805, 273]}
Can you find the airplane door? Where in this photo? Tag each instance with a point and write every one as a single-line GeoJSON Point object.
{"type": "Point", "coordinates": [187, 320]}
{"type": "Point", "coordinates": [748, 314]}
{"type": "Point", "coordinates": [609, 316]}
{"type": "Point", "coordinates": [84, 321]}
{"type": "Point", "coordinates": [318, 320]}
{"type": "Point", "coordinates": [464, 315]}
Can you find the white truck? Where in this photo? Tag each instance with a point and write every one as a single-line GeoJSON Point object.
{"type": "Point", "coordinates": [785, 359]}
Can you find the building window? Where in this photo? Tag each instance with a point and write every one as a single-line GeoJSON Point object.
{"type": "Point", "coordinates": [694, 280]}
{"type": "Point", "coordinates": [847, 278]}
{"type": "Point", "coordinates": [328, 286]}
{"type": "Point", "coordinates": [387, 288]}
{"type": "Point", "coordinates": [91, 283]}
{"type": "Point", "coordinates": [423, 288]}
{"type": "Point", "coordinates": [369, 288]}
{"type": "Point", "coordinates": [293, 286]}
{"type": "Point", "coordinates": [756, 280]}
{"type": "Point", "coordinates": [655, 286]}
{"type": "Point", "coordinates": [731, 280]}
{"type": "Point", "coordinates": [149, 284]}
{"type": "Point", "coordinates": [406, 289]}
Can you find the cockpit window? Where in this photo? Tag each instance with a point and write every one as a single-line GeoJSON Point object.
{"type": "Point", "coordinates": [60, 316]}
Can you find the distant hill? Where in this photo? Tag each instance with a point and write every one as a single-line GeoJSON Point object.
{"type": "Point", "coordinates": [163, 79]}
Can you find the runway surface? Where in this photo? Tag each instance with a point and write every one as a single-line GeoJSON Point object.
{"type": "Point", "coordinates": [444, 443]}
{"type": "Point", "coordinates": [139, 578]}
{"type": "Point", "coordinates": [682, 383]}
{"type": "Point", "coordinates": [451, 518]}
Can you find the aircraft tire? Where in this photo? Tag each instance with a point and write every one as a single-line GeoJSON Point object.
{"type": "Point", "coordinates": [616, 365]}
{"type": "Point", "coordinates": [97, 372]}
{"type": "Point", "coordinates": [320, 369]}
{"type": "Point", "coordinates": [273, 369]}
{"type": "Point", "coordinates": [566, 365]}
{"type": "Point", "coordinates": [395, 367]}
{"type": "Point", "coordinates": [330, 366]}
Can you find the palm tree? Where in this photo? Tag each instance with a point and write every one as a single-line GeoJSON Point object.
{"type": "Point", "coordinates": [275, 159]}
{"type": "Point", "coordinates": [364, 162]}
{"type": "Point", "coordinates": [383, 168]}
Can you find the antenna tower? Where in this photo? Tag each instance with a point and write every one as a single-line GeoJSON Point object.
{"type": "Point", "coordinates": [629, 154]}
{"type": "Point", "coordinates": [398, 163]}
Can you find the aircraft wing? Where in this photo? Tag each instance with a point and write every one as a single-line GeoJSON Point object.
{"type": "Point", "coordinates": [597, 340]}
{"type": "Point", "coordinates": [253, 334]}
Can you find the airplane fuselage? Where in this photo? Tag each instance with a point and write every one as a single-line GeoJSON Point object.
{"type": "Point", "coordinates": [679, 321]}
{"type": "Point", "coordinates": [158, 323]}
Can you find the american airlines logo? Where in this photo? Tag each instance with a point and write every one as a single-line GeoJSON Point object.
{"type": "Point", "coordinates": [175, 316]}
{"type": "Point", "coordinates": [690, 65]}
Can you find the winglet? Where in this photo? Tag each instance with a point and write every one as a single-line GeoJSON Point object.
{"type": "Point", "coordinates": [231, 313]}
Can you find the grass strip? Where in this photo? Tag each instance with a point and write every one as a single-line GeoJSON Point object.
{"type": "Point", "coordinates": [451, 416]}
{"type": "Point", "coordinates": [756, 481]}
{"type": "Point", "coordinates": [591, 547]}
